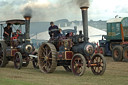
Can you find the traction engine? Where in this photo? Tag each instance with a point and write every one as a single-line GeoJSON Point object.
{"type": "Point", "coordinates": [73, 52]}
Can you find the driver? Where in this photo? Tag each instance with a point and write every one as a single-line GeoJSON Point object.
{"type": "Point", "coordinates": [53, 30]}
{"type": "Point", "coordinates": [7, 32]}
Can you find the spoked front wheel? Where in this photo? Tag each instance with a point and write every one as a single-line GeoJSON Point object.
{"type": "Point", "coordinates": [18, 60]}
{"type": "Point", "coordinates": [25, 62]}
{"type": "Point", "coordinates": [98, 64]}
{"type": "Point", "coordinates": [78, 64]}
{"type": "Point", "coordinates": [35, 63]}
{"type": "Point", "coordinates": [67, 68]}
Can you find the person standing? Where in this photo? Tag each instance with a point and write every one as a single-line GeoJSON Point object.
{"type": "Point", "coordinates": [53, 30]}
{"type": "Point", "coordinates": [7, 32]}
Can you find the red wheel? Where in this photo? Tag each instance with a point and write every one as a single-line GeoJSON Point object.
{"type": "Point", "coordinates": [18, 60]}
{"type": "Point", "coordinates": [78, 64]}
{"type": "Point", "coordinates": [97, 50]}
{"type": "Point", "coordinates": [102, 50]}
{"type": "Point", "coordinates": [98, 69]}
{"type": "Point", "coordinates": [125, 54]}
{"type": "Point", "coordinates": [47, 58]}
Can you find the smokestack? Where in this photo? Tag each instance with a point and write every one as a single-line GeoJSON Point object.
{"type": "Point", "coordinates": [84, 10]}
{"type": "Point", "coordinates": [27, 27]}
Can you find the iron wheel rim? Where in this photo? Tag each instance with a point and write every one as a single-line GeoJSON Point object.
{"type": "Point", "coordinates": [46, 59]}
{"type": "Point", "coordinates": [100, 66]}
{"type": "Point", "coordinates": [18, 60]}
{"type": "Point", "coordinates": [78, 65]}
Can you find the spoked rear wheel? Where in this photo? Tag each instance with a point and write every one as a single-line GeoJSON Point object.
{"type": "Point", "coordinates": [78, 64]}
{"type": "Point", "coordinates": [18, 60]}
{"type": "Point", "coordinates": [47, 58]}
{"type": "Point", "coordinates": [99, 64]}
{"type": "Point", "coordinates": [3, 59]}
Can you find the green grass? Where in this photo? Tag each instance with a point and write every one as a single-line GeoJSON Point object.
{"type": "Point", "coordinates": [4, 81]}
{"type": "Point", "coordinates": [116, 74]}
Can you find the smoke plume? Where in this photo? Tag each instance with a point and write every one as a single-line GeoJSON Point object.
{"type": "Point", "coordinates": [27, 11]}
{"type": "Point", "coordinates": [81, 3]}
{"type": "Point", "coordinates": [49, 11]}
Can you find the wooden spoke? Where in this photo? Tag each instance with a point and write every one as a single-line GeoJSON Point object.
{"type": "Point", "coordinates": [67, 68]}
{"type": "Point", "coordinates": [100, 66]}
{"type": "Point", "coordinates": [44, 52]}
{"type": "Point", "coordinates": [78, 64]}
{"type": "Point", "coordinates": [47, 62]}
{"type": "Point", "coordinates": [49, 53]}
{"type": "Point", "coordinates": [18, 60]}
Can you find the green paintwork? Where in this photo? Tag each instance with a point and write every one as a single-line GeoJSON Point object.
{"type": "Point", "coordinates": [114, 29]}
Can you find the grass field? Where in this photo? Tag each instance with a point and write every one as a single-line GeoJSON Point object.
{"type": "Point", "coordinates": [116, 74]}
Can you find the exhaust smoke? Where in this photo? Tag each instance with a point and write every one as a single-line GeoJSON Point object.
{"type": "Point", "coordinates": [44, 11]}
{"type": "Point", "coordinates": [82, 3]}
{"type": "Point", "coordinates": [27, 11]}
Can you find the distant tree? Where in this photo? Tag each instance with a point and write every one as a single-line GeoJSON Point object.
{"type": "Point", "coordinates": [100, 20]}
{"type": "Point", "coordinates": [91, 20]}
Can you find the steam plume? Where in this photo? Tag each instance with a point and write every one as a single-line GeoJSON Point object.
{"type": "Point", "coordinates": [27, 11]}
{"type": "Point", "coordinates": [81, 3]}
{"type": "Point", "coordinates": [50, 12]}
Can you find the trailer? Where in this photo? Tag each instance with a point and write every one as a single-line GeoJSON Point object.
{"type": "Point", "coordinates": [115, 43]}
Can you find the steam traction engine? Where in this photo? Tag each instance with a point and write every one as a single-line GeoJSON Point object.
{"type": "Point", "coordinates": [17, 48]}
{"type": "Point", "coordinates": [73, 52]}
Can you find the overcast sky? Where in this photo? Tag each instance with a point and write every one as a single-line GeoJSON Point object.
{"type": "Point", "coordinates": [51, 10]}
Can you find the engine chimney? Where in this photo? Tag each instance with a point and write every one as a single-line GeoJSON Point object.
{"type": "Point", "coordinates": [84, 10]}
{"type": "Point", "coordinates": [27, 27]}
